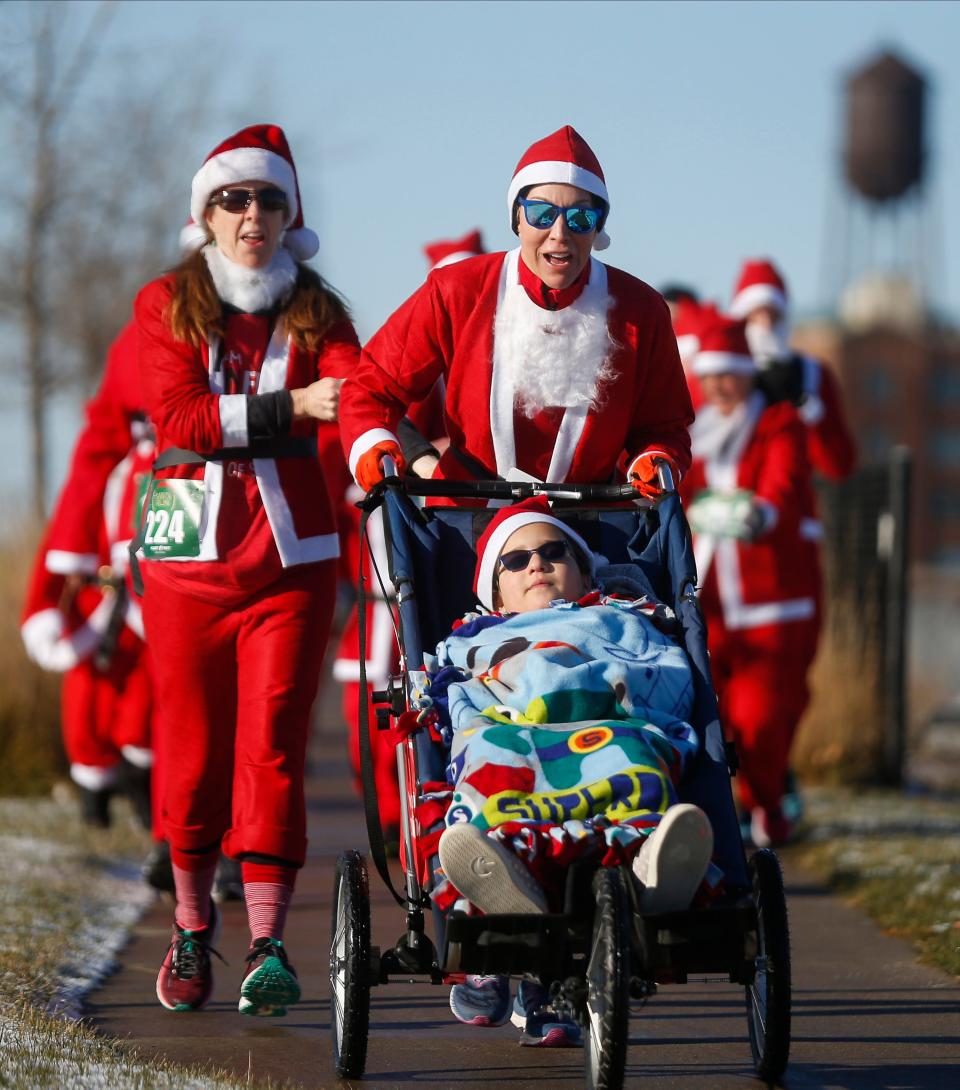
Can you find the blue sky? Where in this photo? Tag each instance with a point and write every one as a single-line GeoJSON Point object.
{"type": "Point", "coordinates": [718, 125]}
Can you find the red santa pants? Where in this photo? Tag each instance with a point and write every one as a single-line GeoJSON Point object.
{"type": "Point", "coordinates": [104, 710]}
{"type": "Point", "coordinates": [760, 676]}
{"type": "Point", "coordinates": [235, 685]}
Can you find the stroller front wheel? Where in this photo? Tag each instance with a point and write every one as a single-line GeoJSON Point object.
{"type": "Point", "coordinates": [768, 997]}
{"type": "Point", "coordinates": [608, 983]}
{"type": "Point", "coordinates": [350, 965]}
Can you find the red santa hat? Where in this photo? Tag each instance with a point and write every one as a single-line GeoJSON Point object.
{"type": "Point", "coordinates": [688, 318]}
{"type": "Point", "coordinates": [258, 153]}
{"type": "Point", "coordinates": [501, 526]}
{"type": "Point", "coordinates": [723, 348]}
{"type": "Point", "coordinates": [759, 285]}
{"type": "Point", "coordinates": [563, 157]}
{"type": "Point", "coordinates": [450, 251]}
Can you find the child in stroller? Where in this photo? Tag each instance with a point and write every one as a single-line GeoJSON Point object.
{"type": "Point", "coordinates": [566, 711]}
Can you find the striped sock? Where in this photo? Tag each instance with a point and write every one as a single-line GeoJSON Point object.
{"type": "Point", "coordinates": [268, 890]}
{"type": "Point", "coordinates": [193, 884]}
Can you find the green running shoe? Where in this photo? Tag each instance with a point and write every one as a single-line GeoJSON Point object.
{"type": "Point", "coordinates": [270, 982]}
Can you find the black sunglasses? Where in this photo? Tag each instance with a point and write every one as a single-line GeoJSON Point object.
{"type": "Point", "coordinates": [269, 198]}
{"type": "Point", "coordinates": [551, 551]}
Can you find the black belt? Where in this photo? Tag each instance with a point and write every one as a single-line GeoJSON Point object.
{"type": "Point", "coordinates": [296, 447]}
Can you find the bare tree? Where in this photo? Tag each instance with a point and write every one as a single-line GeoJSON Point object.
{"type": "Point", "coordinates": [96, 180]}
{"type": "Point", "coordinates": [40, 103]}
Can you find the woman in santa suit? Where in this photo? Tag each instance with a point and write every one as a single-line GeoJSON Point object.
{"type": "Point", "coordinates": [241, 351]}
{"type": "Point", "coordinates": [554, 363]}
{"type": "Point", "coordinates": [750, 506]}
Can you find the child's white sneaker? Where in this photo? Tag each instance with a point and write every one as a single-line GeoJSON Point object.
{"type": "Point", "coordinates": [673, 860]}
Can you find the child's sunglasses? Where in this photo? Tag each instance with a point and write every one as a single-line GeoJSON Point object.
{"type": "Point", "coordinates": [542, 215]}
{"type": "Point", "coordinates": [269, 198]}
{"type": "Point", "coordinates": [551, 551]}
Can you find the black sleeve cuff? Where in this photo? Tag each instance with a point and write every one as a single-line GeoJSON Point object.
{"type": "Point", "coordinates": [269, 416]}
{"type": "Point", "coordinates": [412, 443]}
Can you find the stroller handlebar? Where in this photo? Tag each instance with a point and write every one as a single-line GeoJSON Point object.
{"type": "Point", "coordinates": [521, 490]}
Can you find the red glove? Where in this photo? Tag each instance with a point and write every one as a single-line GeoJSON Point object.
{"type": "Point", "coordinates": [369, 469]}
{"type": "Point", "coordinates": [642, 474]}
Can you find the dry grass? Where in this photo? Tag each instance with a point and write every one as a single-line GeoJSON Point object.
{"type": "Point", "coordinates": [31, 753]}
{"type": "Point", "coordinates": [840, 737]}
{"type": "Point", "coordinates": [894, 855]}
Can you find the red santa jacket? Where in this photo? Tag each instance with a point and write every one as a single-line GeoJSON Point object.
{"type": "Point", "coordinates": [830, 443]}
{"type": "Point", "coordinates": [775, 578]}
{"type": "Point", "coordinates": [115, 422]}
{"type": "Point", "coordinates": [184, 391]}
{"type": "Point", "coordinates": [446, 329]}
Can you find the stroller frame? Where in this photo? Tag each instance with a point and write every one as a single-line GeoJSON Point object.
{"type": "Point", "coordinates": [600, 952]}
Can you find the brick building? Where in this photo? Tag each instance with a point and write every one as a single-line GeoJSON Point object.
{"type": "Point", "coordinates": [900, 374]}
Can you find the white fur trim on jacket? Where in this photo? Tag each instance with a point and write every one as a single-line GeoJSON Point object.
{"type": "Point", "coordinates": [242, 165]}
{"type": "Point", "coordinates": [502, 392]}
{"type": "Point", "coordinates": [757, 295]}
{"type": "Point", "coordinates": [364, 442]}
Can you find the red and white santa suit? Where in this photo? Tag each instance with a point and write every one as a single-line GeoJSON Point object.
{"type": "Point", "coordinates": [238, 627]}
{"type": "Point", "coordinates": [106, 699]}
{"type": "Point", "coordinates": [808, 382]}
{"type": "Point", "coordinates": [750, 507]}
{"type": "Point", "coordinates": [503, 342]}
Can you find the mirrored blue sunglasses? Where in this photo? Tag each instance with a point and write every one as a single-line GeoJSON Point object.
{"type": "Point", "coordinates": [542, 215]}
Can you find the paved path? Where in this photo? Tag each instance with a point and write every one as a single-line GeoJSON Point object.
{"type": "Point", "coordinates": [866, 1015]}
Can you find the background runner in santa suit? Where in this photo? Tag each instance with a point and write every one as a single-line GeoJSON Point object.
{"type": "Point", "coordinates": [74, 622]}
{"type": "Point", "coordinates": [760, 298]}
{"type": "Point", "coordinates": [750, 507]}
{"type": "Point", "coordinates": [422, 434]}
{"type": "Point", "coordinates": [554, 363]}
{"type": "Point", "coordinates": [240, 350]}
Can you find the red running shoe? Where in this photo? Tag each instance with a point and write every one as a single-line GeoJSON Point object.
{"type": "Point", "coordinates": [186, 975]}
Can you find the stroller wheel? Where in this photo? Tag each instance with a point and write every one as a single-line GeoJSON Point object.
{"type": "Point", "coordinates": [350, 965]}
{"type": "Point", "coordinates": [768, 997]}
{"type": "Point", "coordinates": [608, 983]}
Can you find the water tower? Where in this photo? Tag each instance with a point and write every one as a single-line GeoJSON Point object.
{"type": "Point", "coordinates": [880, 244]}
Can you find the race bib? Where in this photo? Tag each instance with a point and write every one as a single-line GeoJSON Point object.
{"type": "Point", "coordinates": [721, 513]}
{"type": "Point", "coordinates": [171, 521]}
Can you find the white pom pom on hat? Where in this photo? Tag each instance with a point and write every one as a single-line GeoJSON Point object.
{"type": "Point", "coordinates": [258, 153]}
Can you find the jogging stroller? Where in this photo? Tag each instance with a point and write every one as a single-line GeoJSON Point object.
{"type": "Point", "coordinates": [600, 952]}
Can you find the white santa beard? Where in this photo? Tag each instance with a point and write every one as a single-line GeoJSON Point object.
{"type": "Point", "coordinates": [554, 359]}
{"type": "Point", "coordinates": [249, 289]}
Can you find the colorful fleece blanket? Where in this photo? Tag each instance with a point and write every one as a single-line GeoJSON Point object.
{"type": "Point", "coordinates": [568, 728]}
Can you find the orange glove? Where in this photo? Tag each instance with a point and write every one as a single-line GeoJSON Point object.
{"type": "Point", "coordinates": [642, 474]}
{"type": "Point", "coordinates": [369, 469]}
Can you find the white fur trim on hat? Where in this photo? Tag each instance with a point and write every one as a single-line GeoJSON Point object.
{"type": "Point", "coordinates": [499, 538]}
{"type": "Point", "coordinates": [555, 173]}
{"type": "Point", "coordinates": [242, 165]}
{"type": "Point", "coordinates": [757, 295]}
{"type": "Point", "coordinates": [452, 259]}
{"type": "Point", "coordinates": [723, 363]}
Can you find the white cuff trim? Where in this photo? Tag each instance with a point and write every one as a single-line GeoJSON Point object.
{"type": "Point", "coordinates": [369, 439]}
{"type": "Point", "coordinates": [811, 410]}
{"type": "Point", "coordinates": [61, 562]}
{"type": "Point", "coordinates": [233, 420]}
{"type": "Point", "coordinates": [138, 756]}
{"type": "Point", "coordinates": [93, 777]}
